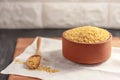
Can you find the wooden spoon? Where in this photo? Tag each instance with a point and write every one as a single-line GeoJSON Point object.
{"type": "Point", "coordinates": [33, 62]}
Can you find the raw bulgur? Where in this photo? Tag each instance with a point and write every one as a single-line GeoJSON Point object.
{"type": "Point", "coordinates": [33, 62]}
{"type": "Point", "coordinates": [87, 34]}
{"type": "Point", "coordinates": [41, 67]}
{"type": "Point", "coordinates": [47, 69]}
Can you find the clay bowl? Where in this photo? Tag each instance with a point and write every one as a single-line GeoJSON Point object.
{"type": "Point", "coordinates": [86, 53]}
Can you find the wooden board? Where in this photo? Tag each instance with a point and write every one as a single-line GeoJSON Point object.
{"type": "Point", "coordinates": [22, 43]}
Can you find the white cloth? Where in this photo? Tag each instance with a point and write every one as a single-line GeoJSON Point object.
{"type": "Point", "coordinates": [52, 51]}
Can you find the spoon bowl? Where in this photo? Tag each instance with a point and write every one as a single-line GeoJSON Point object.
{"type": "Point", "coordinates": [33, 62]}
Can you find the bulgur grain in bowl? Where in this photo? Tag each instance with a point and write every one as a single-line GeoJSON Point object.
{"type": "Point", "coordinates": [87, 44]}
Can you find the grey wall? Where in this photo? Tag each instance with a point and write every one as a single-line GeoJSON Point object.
{"type": "Point", "coordinates": [59, 13]}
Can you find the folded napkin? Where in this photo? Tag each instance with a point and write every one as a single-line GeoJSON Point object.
{"type": "Point", "coordinates": [51, 51]}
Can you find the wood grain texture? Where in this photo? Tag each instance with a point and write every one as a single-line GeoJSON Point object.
{"type": "Point", "coordinates": [22, 43]}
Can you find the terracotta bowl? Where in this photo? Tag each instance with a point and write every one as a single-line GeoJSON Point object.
{"type": "Point", "coordinates": [86, 53]}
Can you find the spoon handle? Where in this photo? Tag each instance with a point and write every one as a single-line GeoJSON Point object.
{"type": "Point", "coordinates": [38, 46]}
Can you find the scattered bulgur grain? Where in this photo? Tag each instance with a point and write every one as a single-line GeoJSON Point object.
{"type": "Point", "coordinates": [20, 62]}
{"type": "Point", "coordinates": [47, 69]}
{"type": "Point", "coordinates": [41, 67]}
{"type": "Point", "coordinates": [87, 34]}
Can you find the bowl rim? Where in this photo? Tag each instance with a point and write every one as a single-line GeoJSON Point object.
{"type": "Point", "coordinates": [63, 36]}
